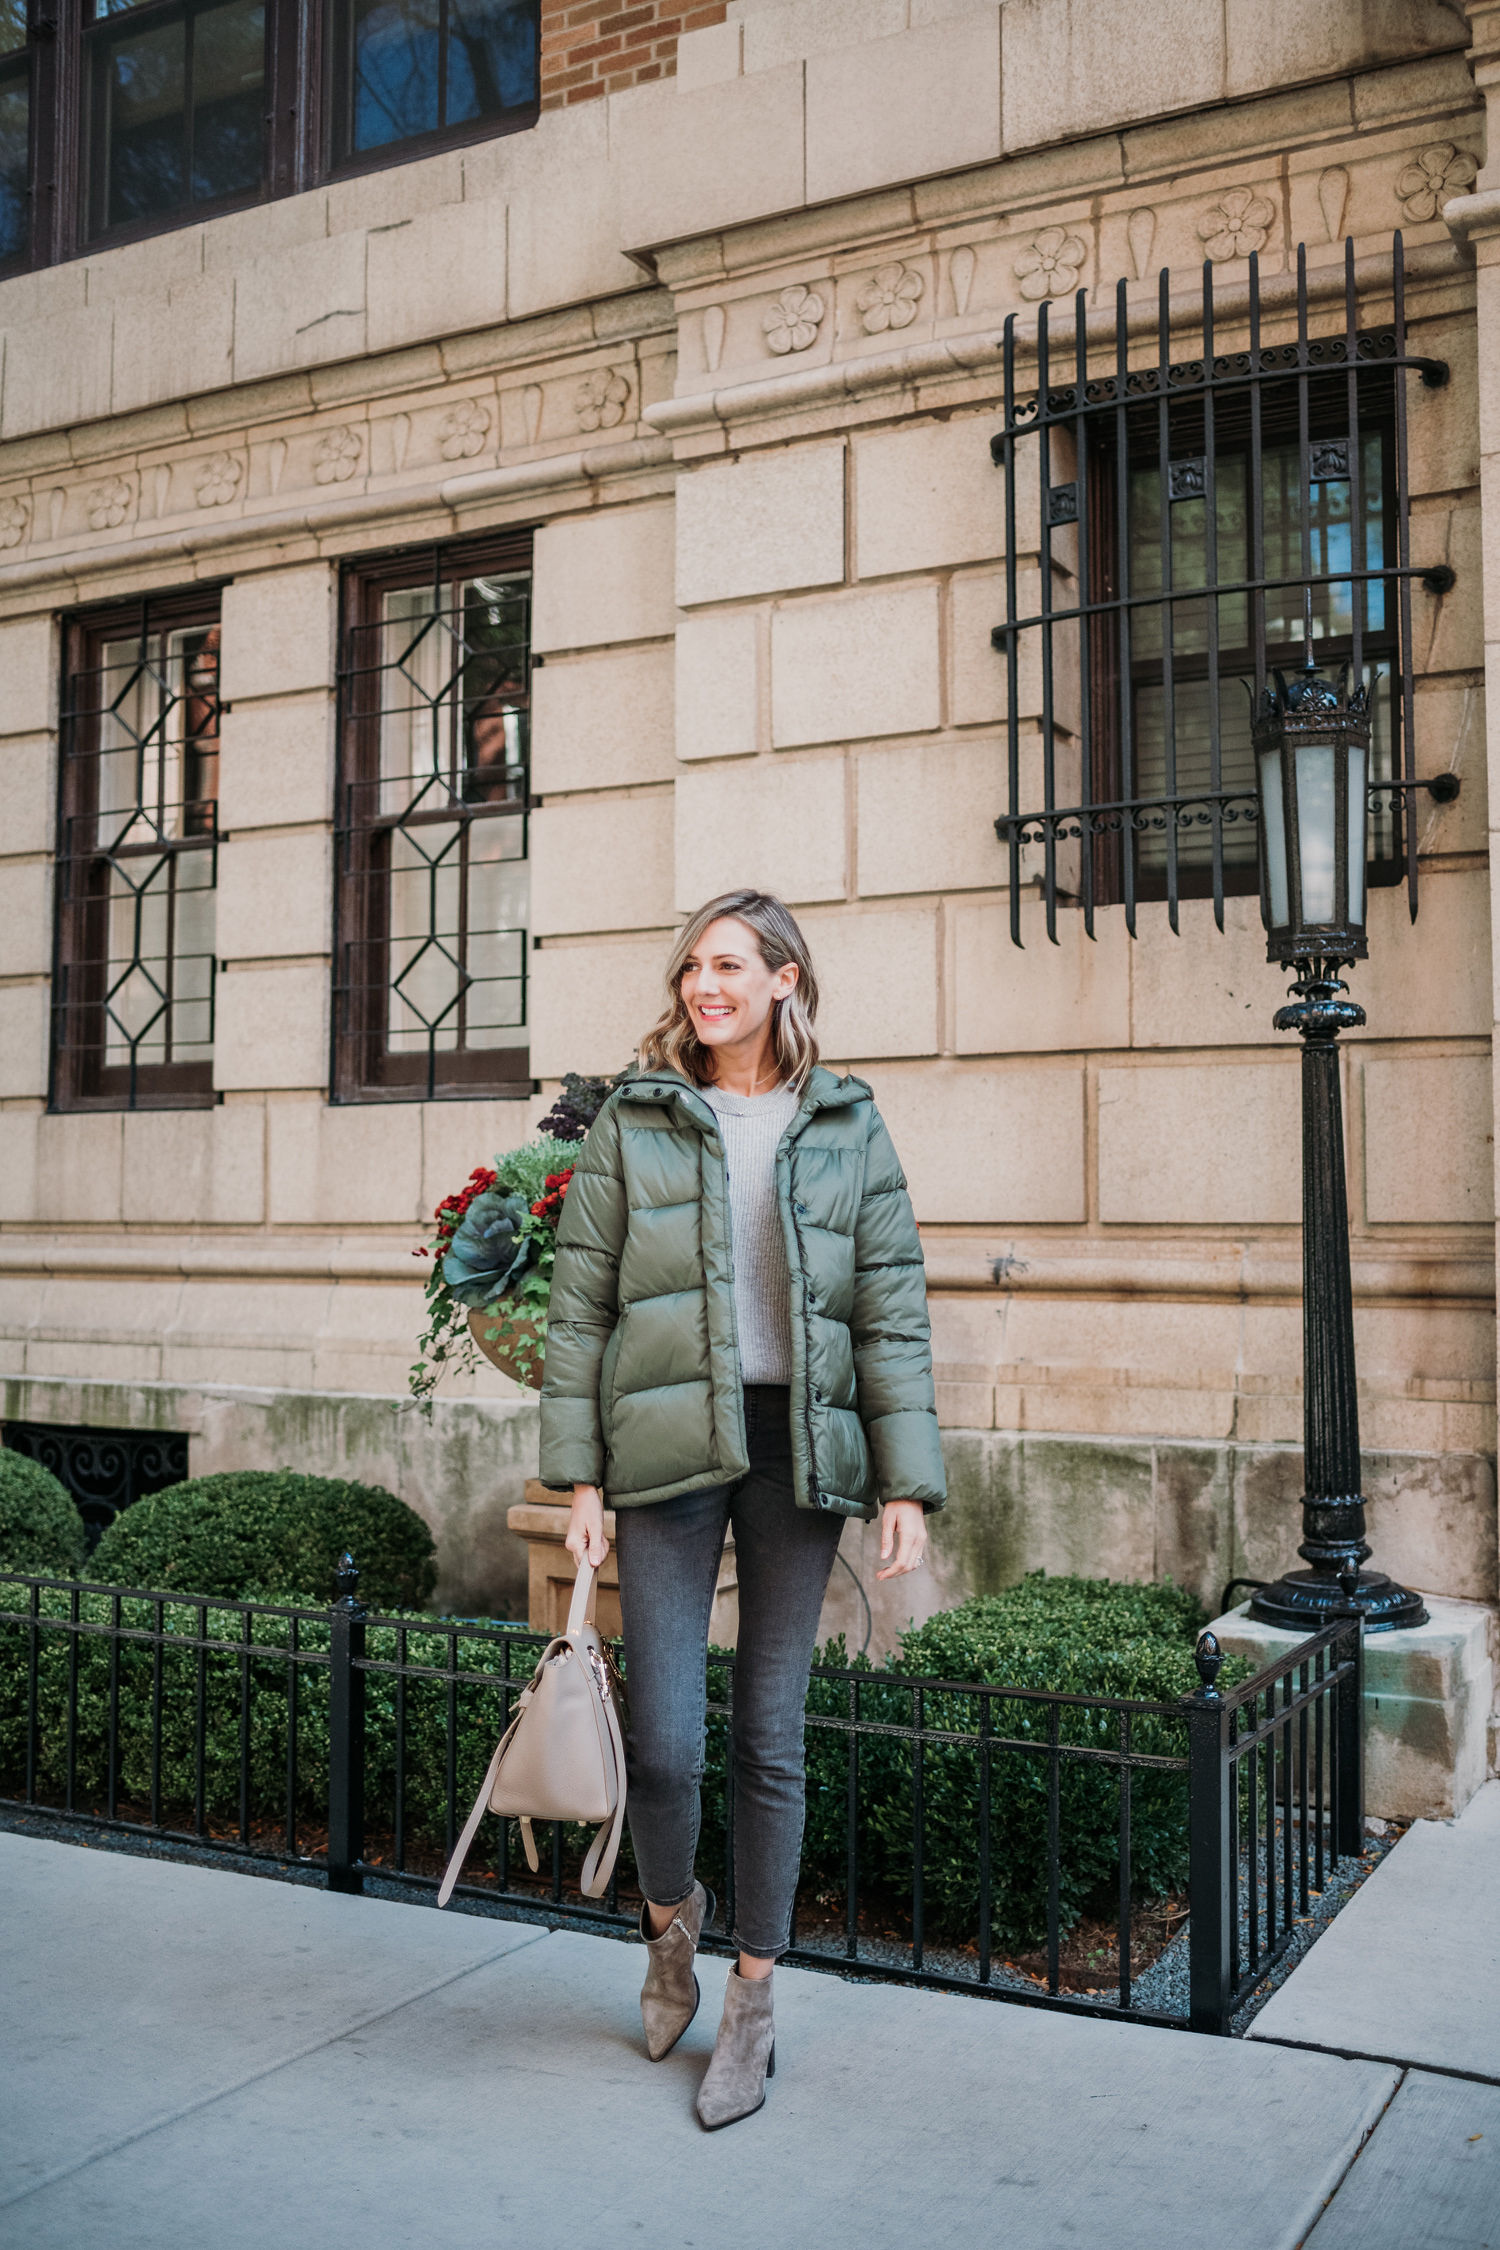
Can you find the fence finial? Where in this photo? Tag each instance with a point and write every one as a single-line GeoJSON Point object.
{"type": "Point", "coordinates": [346, 1578]}
{"type": "Point", "coordinates": [1209, 1658]}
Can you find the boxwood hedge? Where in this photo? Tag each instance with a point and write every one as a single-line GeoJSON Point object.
{"type": "Point", "coordinates": [40, 1527]}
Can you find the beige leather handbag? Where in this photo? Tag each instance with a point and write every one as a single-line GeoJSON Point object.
{"type": "Point", "coordinates": [561, 1757]}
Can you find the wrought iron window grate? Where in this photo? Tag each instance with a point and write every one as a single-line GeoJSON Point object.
{"type": "Point", "coordinates": [105, 1470]}
{"type": "Point", "coordinates": [1199, 522]}
{"type": "Point", "coordinates": [133, 996]}
{"type": "Point", "coordinates": [431, 944]}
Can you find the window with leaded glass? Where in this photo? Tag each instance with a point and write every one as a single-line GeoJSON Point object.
{"type": "Point", "coordinates": [432, 904]}
{"type": "Point", "coordinates": [133, 996]}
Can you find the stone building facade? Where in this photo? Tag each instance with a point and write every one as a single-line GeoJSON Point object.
{"type": "Point", "coordinates": [709, 354]}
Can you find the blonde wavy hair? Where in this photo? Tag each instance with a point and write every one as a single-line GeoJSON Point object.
{"type": "Point", "coordinates": [673, 1044]}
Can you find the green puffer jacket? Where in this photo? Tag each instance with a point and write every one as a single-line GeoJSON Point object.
{"type": "Point", "coordinates": [642, 1394]}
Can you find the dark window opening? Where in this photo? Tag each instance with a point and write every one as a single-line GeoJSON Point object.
{"type": "Point", "coordinates": [432, 891]}
{"type": "Point", "coordinates": [416, 69]}
{"type": "Point", "coordinates": [133, 1000]}
{"type": "Point", "coordinates": [15, 131]}
{"type": "Point", "coordinates": [105, 1470]}
{"type": "Point", "coordinates": [177, 108]}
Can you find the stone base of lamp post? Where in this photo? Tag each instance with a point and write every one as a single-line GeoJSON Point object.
{"type": "Point", "coordinates": [1429, 1690]}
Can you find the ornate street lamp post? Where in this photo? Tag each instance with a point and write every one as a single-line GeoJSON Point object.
{"type": "Point", "coordinates": [1312, 752]}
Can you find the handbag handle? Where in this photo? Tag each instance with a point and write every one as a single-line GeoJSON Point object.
{"type": "Point", "coordinates": [581, 1608]}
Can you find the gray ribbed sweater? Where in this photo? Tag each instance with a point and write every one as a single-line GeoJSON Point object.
{"type": "Point", "coordinates": [751, 1126]}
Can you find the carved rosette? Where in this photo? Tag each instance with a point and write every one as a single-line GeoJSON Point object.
{"type": "Point", "coordinates": [464, 429]}
{"type": "Point", "coordinates": [1432, 176]}
{"type": "Point", "coordinates": [889, 298]}
{"type": "Point", "coordinates": [601, 399]}
{"type": "Point", "coordinates": [1050, 264]}
{"type": "Point", "coordinates": [109, 504]}
{"type": "Point", "coordinates": [15, 519]}
{"type": "Point", "coordinates": [336, 455]}
{"type": "Point", "coordinates": [1241, 221]}
{"type": "Point", "coordinates": [790, 322]}
{"type": "Point", "coordinates": [218, 480]}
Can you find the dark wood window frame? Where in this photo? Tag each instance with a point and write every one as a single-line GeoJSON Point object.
{"type": "Point", "coordinates": [154, 840]}
{"type": "Point", "coordinates": [306, 135]}
{"type": "Point", "coordinates": [371, 825]}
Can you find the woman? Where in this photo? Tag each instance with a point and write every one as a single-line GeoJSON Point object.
{"type": "Point", "coordinates": [737, 1336]}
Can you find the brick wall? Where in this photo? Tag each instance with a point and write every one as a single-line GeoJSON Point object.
{"type": "Point", "coordinates": [593, 47]}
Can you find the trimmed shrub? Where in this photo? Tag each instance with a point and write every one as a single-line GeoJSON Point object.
{"type": "Point", "coordinates": [255, 1528]}
{"type": "Point", "coordinates": [41, 1530]}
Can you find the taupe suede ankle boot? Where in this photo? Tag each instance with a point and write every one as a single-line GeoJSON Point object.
{"type": "Point", "coordinates": [744, 2055]}
{"type": "Point", "coordinates": [669, 1996]}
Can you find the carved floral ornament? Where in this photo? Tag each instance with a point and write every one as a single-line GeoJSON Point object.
{"type": "Point", "coordinates": [1241, 221]}
{"type": "Point", "coordinates": [601, 399]}
{"type": "Point", "coordinates": [217, 480]}
{"type": "Point", "coordinates": [336, 456]}
{"type": "Point", "coordinates": [463, 429]}
{"type": "Point", "coordinates": [1050, 263]}
{"type": "Point", "coordinates": [790, 322]}
{"type": "Point", "coordinates": [889, 298]}
{"type": "Point", "coordinates": [1432, 176]}
{"type": "Point", "coordinates": [15, 520]}
{"type": "Point", "coordinates": [110, 503]}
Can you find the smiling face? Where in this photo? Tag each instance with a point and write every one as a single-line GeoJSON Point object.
{"type": "Point", "coordinates": [729, 992]}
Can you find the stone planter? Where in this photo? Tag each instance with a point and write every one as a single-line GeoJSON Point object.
{"type": "Point", "coordinates": [501, 1353]}
{"type": "Point", "coordinates": [542, 1521]}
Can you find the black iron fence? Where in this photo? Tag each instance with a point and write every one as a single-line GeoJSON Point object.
{"type": "Point", "coordinates": [959, 1833]}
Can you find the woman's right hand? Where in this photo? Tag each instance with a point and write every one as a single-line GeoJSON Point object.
{"type": "Point", "coordinates": [586, 1540]}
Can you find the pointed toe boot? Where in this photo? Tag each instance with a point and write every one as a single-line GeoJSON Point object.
{"type": "Point", "coordinates": [669, 1996]}
{"type": "Point", "coordinates": [744, 2054]}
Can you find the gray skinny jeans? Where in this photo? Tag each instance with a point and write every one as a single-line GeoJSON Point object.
{"type": "Point", "coordinates": [668, 1554]}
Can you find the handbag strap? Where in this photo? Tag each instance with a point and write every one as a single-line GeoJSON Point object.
{"type": "Point", "coordinates": [471, 1825]}
{"type": "Point", "coordinates": [599, 1864]}
{"type": "Point", "coordinates": [581, 1607]}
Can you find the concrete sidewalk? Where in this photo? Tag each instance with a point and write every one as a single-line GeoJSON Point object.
{"type": "Point", "coordinates": [197, 2058]}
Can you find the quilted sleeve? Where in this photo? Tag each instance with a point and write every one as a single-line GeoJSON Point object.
{"type": "Point", "coordinates": [582, 1309]}
{"type": "Point", "coordinates": [891, 1335]}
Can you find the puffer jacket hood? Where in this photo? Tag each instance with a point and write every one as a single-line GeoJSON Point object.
{"type": "Point", "coordinates": [642, 1394]}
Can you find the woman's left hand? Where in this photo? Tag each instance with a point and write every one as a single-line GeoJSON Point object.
{"type": "Point", "coordinates": [903, 1532]}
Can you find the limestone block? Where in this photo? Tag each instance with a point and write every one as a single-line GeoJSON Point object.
{"type": "Point", "coordinates": [603, 577]}
{"type": "Point", "coordinates": [977, 670]}
{"type": "Point", "coordinates": [79, 1167]}
{"type": "Point", "coordinates": [598, 722]}
{"type": "Point", "coordinates": [271, 1027]}
{"type": "Point", "coordinates": [878, 977]}
{"type": "Point", "coordinates": [275, 894]}
{"type": "Point", "coordinates": [1427, 1699]}
{"type": "Point", "coordinates": [300, 307]}
{"type": "Point", "coordinates": [354, 1164]}
{"type": "Point", "coordinates": [1452, 626]}
{"type": "Point", "coordinates": [437, 273]}
{"type": "Point", "coordinates": [1086, 66]}
{"type": "Point", "coordinates": [926, 818]}
{"type": "Point", "coordinates": [29, 671]}
{"type": "Point", "coordinates": [172, 342]}
{"type": "Point", "coordinates": [1037, 998]}
{"type": "Point", "coordinates": [57, 371]}
{"type": "Point", "coordinates": [925, 495]}
{"type": "Point", "coordinates": [1201, 987]}
{"type": "Point", "coordinates": [276, 760]}
{"type": "Point", "coordinates": [186, 1166]}
{"type": "Point", "coordinates": [1019, 1503]}
{"type": "Point", "coordinates": [1273, 43]}
{"type": "Point", "coordinates": [1450, 738]}
{"type": "Point", "coordinates": [26, 916]}
{"type": "Point", "coordinates": [883, 110]}
{"type": "Point", "coordinates": [1429, 1134]}
{"type": "Point", "coordinates": [690, 160]}
{"type": "Point", "coordinates": [458, 1135]}
{"type": "Point", "coordinates": [1431, 1519]}
{"type": "Point", "coordinates": [278, 632]}
{"type": "Point", "coordinates": [780, 827]}
{"type": "Point", "coordinates": [708, 56]}
{"type": "Point", "coordinates": [718, 684]}
{"type": "Point", "coordinates": [371, 200]}
{"type": "Point", "coordinates": [28, 775]}
{"type": "Point", "coordinates": [602, 863]}
{"type": "Point", "coordinates": [1431, 980]}
{"type": "Point", "coordinates": [263, 1334]}
{"type": "Point", "coordinates": [984, 1146]}
{"type": "Point", "coordinates": [24, 1016]}
{"type": "Point", "coordinates": [563, 196]}
{"type": "Point", "coordinates": [590, 1004]}
{"type": "Point", "coordinates": [18, 1164]}
{"type": "Point", "coordinates": [789, 31]}
{"type": "Point", "coordinates": [864, 664]}
{"type": "Point", "coordinates": [1192, 1146]}
{"type": "Point", "coordinates": [764, 523]}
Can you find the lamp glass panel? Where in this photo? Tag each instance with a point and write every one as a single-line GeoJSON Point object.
{"type": "Point", "coordinates": [1317, 837]}
{"type": "Point", "coordinates": [1273, 820]}
{"type": "Point", "coordinates": [1358, 833]}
